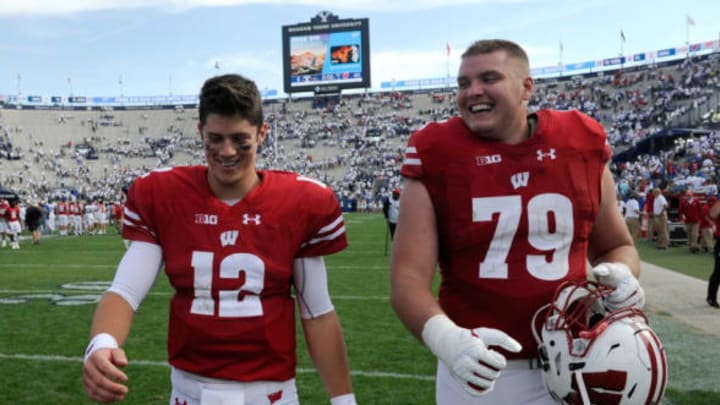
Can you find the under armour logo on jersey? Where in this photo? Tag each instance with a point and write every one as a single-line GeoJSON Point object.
{"type": "Point", "coordinates": [541, 155]}
{"type": "Point", "coordinates": [520, 180]}
{"type": "Point", "coordinates": [228, 238]}
{"type": "Point", "coordinates": [247, 218]}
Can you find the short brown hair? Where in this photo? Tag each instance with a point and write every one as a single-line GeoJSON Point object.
{"type": "Point", "coordinates": [231, 95]}
{"type": "Point", "coordinates": [485, 46]}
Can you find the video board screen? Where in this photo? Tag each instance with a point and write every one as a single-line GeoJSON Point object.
{"type": "Point", "coordinates": [326, 57]}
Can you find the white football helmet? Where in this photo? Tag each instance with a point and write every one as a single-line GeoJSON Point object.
{"type": "Point", "coordinates": [591, 356]}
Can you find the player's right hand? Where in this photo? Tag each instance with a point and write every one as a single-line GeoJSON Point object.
{"type": "Point", "coordinates": [103, 379]}
{"type": "Point", "coordinates": [466, 354]}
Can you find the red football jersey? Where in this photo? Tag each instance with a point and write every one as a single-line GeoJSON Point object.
{"type": "Point", "coordinates": [12, 214]}
{"type": "Point", "coordinates": [513, 220]}
{"type": "Point", "coordinates": [705, 220]}
{"type": "Point", "coordinates": [232, 315]}
{"type": "Point", "coordinates": [117, 211]}
{"type": "Point", "coordinates": [61, 208]}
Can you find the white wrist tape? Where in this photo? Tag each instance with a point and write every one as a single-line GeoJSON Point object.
{"type": "Point", "coordinates": [100, 341]}
{"type": "Point", "coordinates": [346, 399]}
{"type": "Point", "coordinates": [434, 331]}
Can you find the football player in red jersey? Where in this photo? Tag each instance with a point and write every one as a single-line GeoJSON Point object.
{"type": "Point", "coordinates": [4, 233]}
{"type": "Point", "coordinates": [508, 205]}
{"type": "Point", "coordinates": [234, 241]}
{"type": "Point", "coordinates": [12, 218]}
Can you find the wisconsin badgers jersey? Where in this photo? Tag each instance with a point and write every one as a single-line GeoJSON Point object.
{"type": "Point", "coordinates": [232, 315]}
{"type": "Point", "coordinates": [4, 205]}
{"type": "Point", "coordinates": [61, 208]}
{"type": "Point", "coordinates": [12, 214]}
{"type": "Point", "coordinates": [513, 220]}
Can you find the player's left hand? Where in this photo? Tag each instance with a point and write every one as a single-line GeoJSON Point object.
{"type": "Point", "coordinates": [627, 291]}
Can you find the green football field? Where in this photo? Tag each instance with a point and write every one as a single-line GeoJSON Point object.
{"type": "Point", "coordinates": [48, 295]}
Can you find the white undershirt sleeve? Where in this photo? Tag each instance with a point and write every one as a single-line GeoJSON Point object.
{"type": "Point", "coordinates": [137, 272]}
{"type": "Point", "coordinates": [311, 289]}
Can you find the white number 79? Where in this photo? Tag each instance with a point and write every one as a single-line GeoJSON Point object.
{"type": "Point", "coordinates": [539, 236]}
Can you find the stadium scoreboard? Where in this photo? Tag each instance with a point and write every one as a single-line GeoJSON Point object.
{"type": "Point", "coordinates": [326, 55]}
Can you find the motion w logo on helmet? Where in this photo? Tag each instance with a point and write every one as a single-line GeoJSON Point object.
{"type": "Point", "coordinates": [593, 356]}
{"type": "Point", "coordinates": [601, 387]}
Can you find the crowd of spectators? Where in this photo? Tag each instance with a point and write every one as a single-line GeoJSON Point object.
{"type": "Point", "coordinates": [355, 143]}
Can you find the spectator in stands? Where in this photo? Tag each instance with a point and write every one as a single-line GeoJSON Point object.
{"type": "Point", "coordinates": [660, 219]}
{"type": "Point", "coordinates": [234, 246]}
{"type": "Point", "coordinates": [391, 210]}
{"type": "Point", "coordinates": [471, 184]}
{"type": "Point", "coordinates": [632, 215]}
{"type": "Point", "coordinates": [33, 215]}
{"type": "Point", "coordinates": [690, 211]}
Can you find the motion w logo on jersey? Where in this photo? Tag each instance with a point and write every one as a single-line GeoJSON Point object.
{"type": "Point", "coordinates": [520, 180]}
{"type": "Point", "coordinates": [228, 238]}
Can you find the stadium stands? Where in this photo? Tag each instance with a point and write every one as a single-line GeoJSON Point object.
{"type": "Point", "coordinates": [355, 142]}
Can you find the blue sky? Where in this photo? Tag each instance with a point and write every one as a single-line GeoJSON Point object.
{"type": "Point", "coordinates": [159, 47]}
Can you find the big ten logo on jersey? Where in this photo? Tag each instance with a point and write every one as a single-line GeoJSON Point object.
{"type": "Point", "coordinates": [60, 299]}
{"type": "Point", "coordinates": [206, 219]}
{"type": "Point", "coordinates": [488, 159]}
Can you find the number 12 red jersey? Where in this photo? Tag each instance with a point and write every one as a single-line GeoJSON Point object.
{"type": "Point", "coordinates": [232, 315]}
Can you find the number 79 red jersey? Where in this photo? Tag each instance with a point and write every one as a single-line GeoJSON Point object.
{"type": "Point", "coordinates": [513, 220]}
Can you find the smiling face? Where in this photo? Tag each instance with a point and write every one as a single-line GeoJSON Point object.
{"type": "Point", "coordinates": [231, 144]}
{"type": "Point", "coordinates": [492, 96]}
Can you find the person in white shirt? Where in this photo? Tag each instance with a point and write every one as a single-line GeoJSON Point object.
{"type": "Point", "coordinates": [632, 215]}
{"type": "Point", "coordinates": [660, 207]}
{"type": "Point", "coordinates": [620, 203]}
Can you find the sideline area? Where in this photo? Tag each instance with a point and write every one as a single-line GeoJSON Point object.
{"type": "Point", "coordinates": [680, 296]}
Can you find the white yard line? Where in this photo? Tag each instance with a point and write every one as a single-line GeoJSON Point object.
{"type": "Point", "coordinates": [167, 294]}
{"type": "Point", "coordinates": [150, 363]}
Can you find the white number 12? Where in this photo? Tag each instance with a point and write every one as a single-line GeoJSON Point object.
{"type": "Point", "coordinates": [230, 268]}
